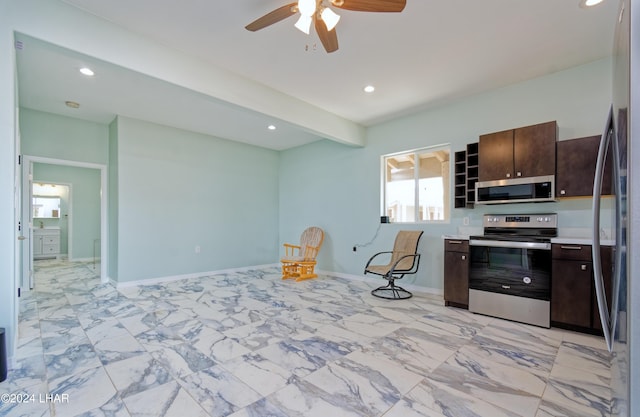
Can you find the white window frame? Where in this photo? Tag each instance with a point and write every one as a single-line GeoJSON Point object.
{"type": "Point", "coordinates": [447, 185]}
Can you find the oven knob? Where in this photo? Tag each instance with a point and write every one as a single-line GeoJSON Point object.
{"type": "Point", "coordinates": [546, 219]}
{"type": "Point", "coordinates": [526, 280]}
{"type": "Point", "coordinates": [539, 219]}
{"type": "Point", "coordinates": [495, 219]}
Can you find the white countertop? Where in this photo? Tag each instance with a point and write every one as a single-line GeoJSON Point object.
{"type": "Point", "coordinates": [581, 241]}
{"type": "Point", "coordinates": [456, 237]}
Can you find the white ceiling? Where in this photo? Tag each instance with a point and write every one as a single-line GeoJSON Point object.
{"type": "Point", "coordinates": [432, 53]}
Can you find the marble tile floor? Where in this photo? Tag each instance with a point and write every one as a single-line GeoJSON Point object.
{"type": "Point", "coordinates": [248, 344]}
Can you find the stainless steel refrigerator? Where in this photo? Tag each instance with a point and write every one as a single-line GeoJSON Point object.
{"type": "Point", "coordinates": [620, 306]}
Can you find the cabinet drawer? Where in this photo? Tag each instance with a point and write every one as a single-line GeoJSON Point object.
{"type": "Point", "coordinates": [50, 249]}
{"type": "Point", "coordinates": [50, 240]}
{"type": "Point", "coordinates": [456, 245]}
{"type": "Point", "coordinates": [571, 252]}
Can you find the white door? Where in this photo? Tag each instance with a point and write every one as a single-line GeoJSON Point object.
{"type": "Point", "coordinates": [27, 227]}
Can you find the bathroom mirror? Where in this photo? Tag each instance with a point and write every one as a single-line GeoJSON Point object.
{"type": "Point", "coordinates": [46, 207]}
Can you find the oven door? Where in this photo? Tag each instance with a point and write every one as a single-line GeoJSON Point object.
{"type": "Point", "coordinates": [521, 269]}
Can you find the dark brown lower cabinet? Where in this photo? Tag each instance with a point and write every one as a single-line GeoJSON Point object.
{"type": "Point", "coordinates": [573, 300]}
{"type": "Point", "coordinates": [571, 292]}
{"type": "Point", "coordinates": [456, 273]}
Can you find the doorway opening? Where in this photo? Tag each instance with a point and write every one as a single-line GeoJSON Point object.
{"type": "Point", "coordinates": [77, 220]}
{"type": "Point", "coordinates": [51, 209]}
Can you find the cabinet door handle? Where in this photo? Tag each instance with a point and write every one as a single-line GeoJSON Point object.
{"type": "Point", "coordinates": [571, 247]}
{"type": "Point", "coordinates": [506, 287]}
{"type": "Point", "coordinates": [562, 192]}
{"type": "Point", "coordinates": [464, 257]}
{"type": "Point", "coordinates": [583, 267]}
{"type": "Point", "coordinates": [455, 242]}
{"type": "Point", "coordinates": [508, 175]}
{"type": "Point", "coordinates": [518, 174]}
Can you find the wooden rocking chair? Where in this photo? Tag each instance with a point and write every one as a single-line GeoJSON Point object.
{"type": "Point", "coordinates": [299, 261]}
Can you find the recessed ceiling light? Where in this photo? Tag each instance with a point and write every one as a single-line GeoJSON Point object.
{"type": "Point", "coordinates": [589, 3]}
{"type": "Point", "coordinates": [369, 89]}
{"type": "Point", "coordinates": [271, 127]}
{"type": "Point", "coordinates": [72, 104]}
{"type": "Point", "coordinates": [87, 71]}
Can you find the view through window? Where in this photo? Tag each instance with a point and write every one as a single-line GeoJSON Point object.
{"type": "Point", "coordinates": [416, 185]}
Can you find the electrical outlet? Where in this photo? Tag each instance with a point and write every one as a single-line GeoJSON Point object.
{"type": "Point", "coordinates": [197, 248]}
{"type": "Point", "coordinates": [355, 248]}
{"type": "Point", "coordinates": [465, 221]}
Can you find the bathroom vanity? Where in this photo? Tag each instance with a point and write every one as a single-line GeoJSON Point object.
{"type": "Point", "coordinates": [46, 242]}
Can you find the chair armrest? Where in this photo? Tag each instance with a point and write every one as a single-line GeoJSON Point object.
{"type": "Point", "coordinates": [371, 259]}
{"type": "Point", "coordinates": [289, 249]}
{"type": "Point", "coordinates": [415, 256]}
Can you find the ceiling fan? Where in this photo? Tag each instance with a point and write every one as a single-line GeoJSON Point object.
{"type": "Point", "coordinates": [323, 17]}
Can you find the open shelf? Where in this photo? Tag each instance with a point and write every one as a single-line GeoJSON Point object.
{"type": "Point", "coordinates": [460, 180]}
{"type": "Point", "coordinates": [471, 173]}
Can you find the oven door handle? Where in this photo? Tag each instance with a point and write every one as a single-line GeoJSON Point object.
{"type": "Point", "coordinates": [510, 244]}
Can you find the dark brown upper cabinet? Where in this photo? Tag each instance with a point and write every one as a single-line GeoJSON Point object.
{"type": "Point", "coordinates": [523, 152]}
{"type": "Point", "coordinates": [576, 167]}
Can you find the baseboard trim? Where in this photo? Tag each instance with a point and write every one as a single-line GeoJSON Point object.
{"type": "Point", "coordinates": [435, 293]}
{"type": "Point", "coordinates": [162, 280]}
{"type": "Point", "coordinates": [84, 260]}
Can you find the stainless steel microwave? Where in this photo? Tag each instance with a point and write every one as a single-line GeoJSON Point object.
{"type": "Point", "coordinates": [516, 190]}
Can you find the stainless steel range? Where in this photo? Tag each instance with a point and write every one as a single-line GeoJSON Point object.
{"type": "Point", "coordinates": [510, 267]}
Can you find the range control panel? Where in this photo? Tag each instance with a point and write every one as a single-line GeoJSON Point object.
{"type": "Point", "coordinates": [545, 220]}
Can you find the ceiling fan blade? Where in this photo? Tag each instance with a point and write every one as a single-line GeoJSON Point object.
{"type": "Point", "coordinates": [370, 5]}
{"type": "Point", "coordinates": [275, 16]}
{"type": "Point", "coordinates": [329, 38]}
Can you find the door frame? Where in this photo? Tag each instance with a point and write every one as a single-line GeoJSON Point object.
{"type": "Point", "coordinates": [27, 179]}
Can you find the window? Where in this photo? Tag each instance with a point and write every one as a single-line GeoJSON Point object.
{"type": "Point", "coordinates": [416, 185]}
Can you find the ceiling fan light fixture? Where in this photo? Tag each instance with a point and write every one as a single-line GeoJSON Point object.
{"type": "Point", "coordinates": [589, 3]}
{"type": "Point", "coordinates": [330, 18]}
{"type": "Point", "coordinates": [307, 7]}
{"type": "Point", "coordinates": [304, 23]}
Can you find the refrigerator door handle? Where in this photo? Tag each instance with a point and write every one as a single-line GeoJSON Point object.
{"type": "Point", "coordinates": [603, 309]}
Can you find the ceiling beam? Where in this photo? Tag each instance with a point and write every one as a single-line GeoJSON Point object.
{"type": "Point", "coordinates": [58, 23]}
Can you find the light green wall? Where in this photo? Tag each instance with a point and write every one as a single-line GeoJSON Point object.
{"type": "Point", "coordinates": [112, 262]}
{"type": "Point", "coordinates": [178, 190]}
{"type": "Point", "coordinates": [338, 188]}
{"type": "Point", "coordinates": [85, 204]}
{"type": "Point", "coordinates": [59, 137]}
